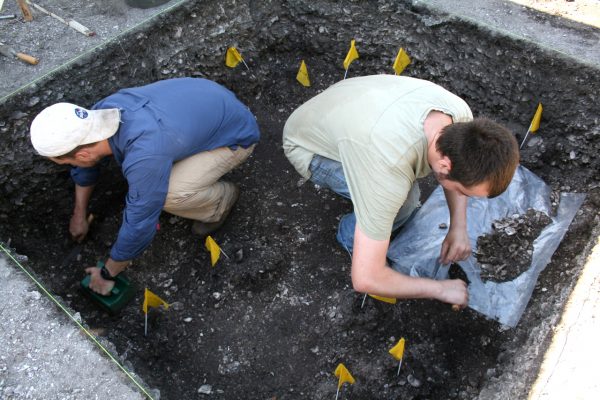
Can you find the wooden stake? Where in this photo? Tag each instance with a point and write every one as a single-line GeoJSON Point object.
{"type": "Point", "coordinates": [25, 10]}
{"type": "Point", "coordinates": [27, 58]}
{"type": "Point", "coordinates": [72, 23]}
{"type": "Point", "coordinates": [9, 51]}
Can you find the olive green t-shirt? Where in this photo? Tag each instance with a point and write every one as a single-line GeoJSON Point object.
{"type": "Point", "coordinates": [373, 125]}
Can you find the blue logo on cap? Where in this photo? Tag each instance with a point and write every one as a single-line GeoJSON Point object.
{"type": "Point", "coordinates": [81, 113]}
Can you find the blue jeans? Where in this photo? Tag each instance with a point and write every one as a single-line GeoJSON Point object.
{"type": "Point", "coordinates": [329, 174]}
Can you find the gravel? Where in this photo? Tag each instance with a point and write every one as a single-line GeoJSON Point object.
{"type": "Point", "coordinates": [43, 354]}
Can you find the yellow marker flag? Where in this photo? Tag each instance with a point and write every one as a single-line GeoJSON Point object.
{"type": "Point", "coordinates": [344, 375]}
{"type": "Point", "coordinates": [352, 54]}
{"type": "Point", "coordinates": [535, 122]}
{"type": "Point", "coordinates": [302, 75]}
{"type": "Point", "coordinates": [213, 248]}
{"type": "Point", "coordinates": [390, 300]}
{"type": "Point", "coordinates": [152, 300]}
{"type": "Point", "coordinates": [401, 62]}
{"type": "Point", "coordinates": [232, 57]}
{"type": "Point", "coordinates": [398, 350]}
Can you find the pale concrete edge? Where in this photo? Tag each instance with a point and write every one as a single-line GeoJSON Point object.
{"type": "Point", "coordinates": [493, 29]}
{"type": "Point", "coordinates": [584, 295]}
{"type": "Point", "coordinates": [60, 316]}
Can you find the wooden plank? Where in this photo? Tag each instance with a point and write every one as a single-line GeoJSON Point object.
{"type": "Point", "coordinates": [25, 10]}
{"type": "Point", "coordinates": [71, 23]}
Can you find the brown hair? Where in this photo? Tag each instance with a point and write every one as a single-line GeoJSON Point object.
{"type": "Point", "coordinates": [480, 151]}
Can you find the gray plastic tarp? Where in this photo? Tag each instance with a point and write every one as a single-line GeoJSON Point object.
{"type": "Point", "coordinates": [416, 249]}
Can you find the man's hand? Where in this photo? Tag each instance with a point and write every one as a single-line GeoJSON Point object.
{"type": "Point", "coordinates": [79, 226]}
{"type": "Point", "coordinates": [97, 283]}
{"type": "Point", "coordinates": [456, 246]}
{"type": "Point", "coordinates": [454, 292]}
{"type": "Point", "coordinates": [80, 221]}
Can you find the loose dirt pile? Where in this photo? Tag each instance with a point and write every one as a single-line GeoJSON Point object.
{"type": "Point", "coordinates": [506, 252]}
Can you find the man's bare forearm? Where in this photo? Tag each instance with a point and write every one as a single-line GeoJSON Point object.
{"type": "Point", "coordinates": [82, 199]}
{"type": "Point", "coordinates": [457, 205]}
{"type": "Point", "coordinates": [370, 274]}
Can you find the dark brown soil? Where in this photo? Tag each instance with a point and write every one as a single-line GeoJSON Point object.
{"type": "Point", "coordinates": [276, 322]}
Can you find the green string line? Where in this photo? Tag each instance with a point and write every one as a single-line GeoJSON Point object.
{"type": "Point", "coordinates": [58, 303]}
{"type": "Point", "coordinates": [85, 53]}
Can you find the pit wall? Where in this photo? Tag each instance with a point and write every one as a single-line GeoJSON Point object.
{"type": "Point", "coordinates": [498, 76]}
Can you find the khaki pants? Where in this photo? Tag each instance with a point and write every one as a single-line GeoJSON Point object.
{"type": "Point", "coordinates": [195, 191]}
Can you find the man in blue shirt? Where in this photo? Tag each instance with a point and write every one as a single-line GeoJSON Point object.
{"type": "Point", "coordinates": [173, 140]}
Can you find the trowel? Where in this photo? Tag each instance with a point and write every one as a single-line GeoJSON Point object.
{"type": "Point", "coordinates": [9, 52]}
{"type": "Point", "coordinates": [120, 294]}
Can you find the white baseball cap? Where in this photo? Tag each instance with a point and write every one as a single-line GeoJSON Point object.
{"type": "Point", "coordinates": [62, 127]}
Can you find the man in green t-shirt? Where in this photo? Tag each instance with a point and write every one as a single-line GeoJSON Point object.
{"type": "Point", "coordinates": [369, 139]}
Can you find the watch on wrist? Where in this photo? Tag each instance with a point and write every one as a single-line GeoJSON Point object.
{"type": "Point", "coordinates": [104, 273]}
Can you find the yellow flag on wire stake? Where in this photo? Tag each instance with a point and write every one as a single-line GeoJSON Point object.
{"type": "Point", "coordinates": [402, 61]}
{"type": "Point", "coordinates": [351, 56]}
{"type": "Point", "coordinates": [398, 353]}
{"type": "Point", "coordinates": [233, 58]}
{"type": "Point", "coordinates": [214, 249]}
{"type": "Point", "coordinates": [151, 300]}
{"type": "Point", "coordinates": [535, 123]}
{"type": "Point", "coordinates": [398, 350]}
{"type": "Point", "coordinates": [302, 75]}
{"type": "Point", "coordinates": [344, 376]}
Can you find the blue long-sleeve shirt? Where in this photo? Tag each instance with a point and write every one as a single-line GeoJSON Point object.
{"type": "Point", "coordinates": [162, 123]}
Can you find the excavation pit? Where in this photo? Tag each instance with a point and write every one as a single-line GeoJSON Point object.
{"type": "Point", "coordinates": [276, 319]}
